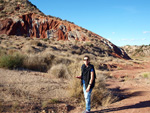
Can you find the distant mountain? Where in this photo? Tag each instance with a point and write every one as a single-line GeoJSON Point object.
{"type": "Point", "coordinates": [22, 18]}
{"type": "Point", "coordinates": [137, 51]}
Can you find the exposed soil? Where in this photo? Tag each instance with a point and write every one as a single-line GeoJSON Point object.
{"type": "Point", "coordinates": [128, 83]}
{"type": "Point", "coordinates": [132, 88]}
{"type": "Point", "coordinates": [30, 91]}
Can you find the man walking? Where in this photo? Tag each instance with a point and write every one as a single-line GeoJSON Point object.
{"type": "Point", "coordinates": [88, 81]}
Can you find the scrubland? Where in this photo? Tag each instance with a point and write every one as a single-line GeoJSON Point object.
{"type": "Point", "coordinates": [39, 74]}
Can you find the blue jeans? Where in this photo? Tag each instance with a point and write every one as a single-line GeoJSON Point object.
{"type": "Point", "coordinates": [87, 96]}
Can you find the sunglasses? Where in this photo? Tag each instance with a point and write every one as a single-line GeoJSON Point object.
{"type": "Point", "coordinates": [85, 59]}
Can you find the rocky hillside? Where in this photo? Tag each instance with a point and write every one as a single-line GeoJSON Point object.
{"type": "Point", "coordinates": [137, 51]}
{"type": "Point", "coordinates": [10, 8]}
{"type": "Point", "coordinates": [22, 18]}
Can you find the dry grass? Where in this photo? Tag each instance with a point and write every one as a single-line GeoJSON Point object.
{"type": "Point", "coordinates": [75, 89]}
{"type": "Point", "coordinates": [38, 62]}
{"type": "Point", "coordinates": [28, 89]}
{"type": "Point", "coordinates": [101, 96]}
{"type": "Point", "coordinates": [46, 103]}
{"type": "Point", "coordinates": [59, 71]}
{"type": "Point", "coordinates": [60, 66]}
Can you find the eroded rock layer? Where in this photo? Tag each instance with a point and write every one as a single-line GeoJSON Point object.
{"type": "Point", "coordinates": [37, 25]}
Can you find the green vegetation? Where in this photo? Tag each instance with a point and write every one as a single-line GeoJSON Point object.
{"type": "Point", "coordinates": [11, 61]}
{"type": "Point", "coordinates": [146, 75]}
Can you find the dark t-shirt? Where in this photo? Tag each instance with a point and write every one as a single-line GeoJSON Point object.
{"type": "Point", "coordinates": [86, 74]}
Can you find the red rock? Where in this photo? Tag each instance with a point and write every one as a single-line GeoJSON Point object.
{"type": "Point", "coordinates": [37, 26]}
{"type": "Point", "coordinates": [61, 35]}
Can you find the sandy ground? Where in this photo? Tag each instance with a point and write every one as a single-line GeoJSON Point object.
{"type": "Point", "coordinates": [134, 91]}
{"type": "Point", "coordinates": [136, 95]}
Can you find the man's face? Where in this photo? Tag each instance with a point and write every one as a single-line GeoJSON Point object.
{"type": "Point", "coordinates": [86, 60]}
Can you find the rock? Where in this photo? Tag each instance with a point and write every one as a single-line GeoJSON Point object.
{"type": "Point", "coordinates": [137, 51]}
{"type": "Point", "coordinates": [36, 25]}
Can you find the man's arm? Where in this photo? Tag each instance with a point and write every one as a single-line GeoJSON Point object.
{"type": "Point", "coordinates": [91, 81]}
{"type": "Point", "coordinates": [81, 73]}
{"type": "Point", "coordinates": [78, 77]}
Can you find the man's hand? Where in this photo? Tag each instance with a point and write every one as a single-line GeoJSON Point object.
{"type": "Point", "coordinates": [88, 88]}
{"type": "Point", "coordinates": [78, 77]}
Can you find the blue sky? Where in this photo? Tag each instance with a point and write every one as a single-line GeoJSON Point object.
{"type": "Point", "coordinates": [123, 22]}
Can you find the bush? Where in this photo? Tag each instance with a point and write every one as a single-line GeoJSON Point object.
{"type": "Point", "coordinates": [100, 94]}
{"type": "Point", "coordinates": [11, 61]}
{"type": "Point", "coordinates": [2, 51]}
{"type": "Point", "coordinates": [38, 62]}
{"type": "Point", "coordinates": [146, 74]}
{"type": "Point", "coordinates": [1, 106]}
{"type": "Point", "coordinates": [59, 71]}
{"type": "Point", "coordinates": [75, 89]}
{"type": "Point", "coordinates": [36, 42]}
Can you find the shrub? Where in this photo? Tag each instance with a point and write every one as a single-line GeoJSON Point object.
{"type": "Point", "coordinates": [59, 71]}
{"type": "Point", "coordinates": [75, 89]}
{"type": "Point", "coordinates": [146, 74]}
{"type": "Point", "coordinates": [36, 42]}
{"type": "Point", "coordinates": [38, 62]}
{"type": "Point", "coordinates": [2, 51]}
{"type": "Point", "coordinates": [1, 106]}
{"type": "Point", "coordinates": [45, 39]}
{"type": "Point", "coordinates": [35, 63]}
{"type": "Point", "coordinates": [100, 94]}
{"type": "Point", "coordinates": [11, 61]}
{"type": "Point", "coordinates": [75, 68]}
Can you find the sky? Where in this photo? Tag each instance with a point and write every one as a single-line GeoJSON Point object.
{"type": "Point", "coordinates": [123, 22]}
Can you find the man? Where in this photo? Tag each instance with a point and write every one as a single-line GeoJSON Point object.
{"type": "Point", "coordinates": [88, 81]}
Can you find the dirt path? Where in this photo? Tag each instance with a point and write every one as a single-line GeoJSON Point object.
{"type": "Point", "coordinates": [134, 89]}
{"type": "Point", "coordinates": [137, 97]}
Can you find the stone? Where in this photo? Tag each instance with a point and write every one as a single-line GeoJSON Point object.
{"type": "Point", "coordinates": [38, 26]}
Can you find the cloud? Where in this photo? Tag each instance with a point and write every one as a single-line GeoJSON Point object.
{"type": "Point", "coordinates": [146, 32]}
{"type": "Point", "coordinates": [143, 38]}
{"type": "Point", "coordinates": [113, 33]}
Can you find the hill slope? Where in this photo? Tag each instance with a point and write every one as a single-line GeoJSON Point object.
{"type": "Point", "coordinates": [21, 18]}
{"type": "Point", "coordinates": [138, 51]}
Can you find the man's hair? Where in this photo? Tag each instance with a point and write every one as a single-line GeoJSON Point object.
{"type": "Point", "coordinates": [87, 57]}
